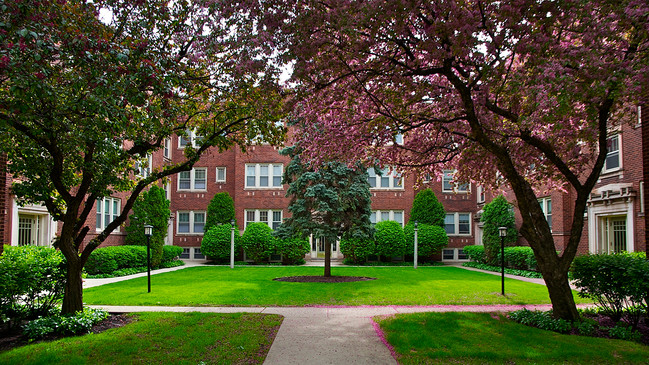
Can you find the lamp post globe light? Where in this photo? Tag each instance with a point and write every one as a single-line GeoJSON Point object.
{"type": "Point", "coordinates": [232, 244]}
{"type": "Point", "coordinates": [148, 231]}
{"type": "Point", "coordinates": [502, 231]}
{"type": "Point", "coordinates": [415, 256]}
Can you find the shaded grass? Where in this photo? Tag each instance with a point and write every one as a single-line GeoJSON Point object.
{"type": "Point", "coordinates": [159, 338]}
{"type": "Point", "coordinates": [484, 338]}
{"type": "Point", "coordinates": [253, 286]}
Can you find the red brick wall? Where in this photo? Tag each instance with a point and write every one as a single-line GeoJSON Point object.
{"type": "Point", "coordinates": [645, 165]}
{"type": "Point", "coordinates": [4, 200]}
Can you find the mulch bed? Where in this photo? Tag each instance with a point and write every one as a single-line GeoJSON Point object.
{"type": "Point", "coordinates": [323, 279]}
{"type": "Point", "coordinates": [13, 337]}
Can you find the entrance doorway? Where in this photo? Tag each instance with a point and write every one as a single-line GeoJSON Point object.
{"type": "Point", "coordinates": [318, 247]}
{"type": "Point", "coordinates": [28, 230]}
{"type": "Point", "coordinates": [613, 238]}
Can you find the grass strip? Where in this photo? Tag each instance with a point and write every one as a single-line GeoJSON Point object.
{"type": "Point", "coordinates": [161, 338]}
{"type": "Point", "coordinates": [488, 338]}
{"type": "Point", "coordinates": [254, 286]}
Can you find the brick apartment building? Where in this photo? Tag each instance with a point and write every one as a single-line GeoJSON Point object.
{"type": "Point", "coordinates": [614, 217]}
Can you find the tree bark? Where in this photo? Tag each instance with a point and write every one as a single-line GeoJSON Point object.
{"type": "Point", "coordinates": [73, 295]}
{"type": "Point", "coordinates": [563, 302]}
{"type": "Point", "coordinates": [327, 264]}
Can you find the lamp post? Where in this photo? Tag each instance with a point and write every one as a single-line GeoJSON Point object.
{"type": "Point", "coordinates": [415, 259]}
{"type": "Point", "coordinates": [148, 230]}
{"type": "Point", "coordinates": [503, 233]}
{"type": "Point", "coordinates": [232, 245]}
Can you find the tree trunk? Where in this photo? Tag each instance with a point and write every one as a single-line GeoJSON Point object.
{"type": "Point", "coordinates": [73, 295]}
{"type": "Point", "coordinates": [563, 302]}
{"type": "Point", "coordinates": [327, 264]}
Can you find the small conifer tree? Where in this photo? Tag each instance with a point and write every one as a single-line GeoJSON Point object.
{"type": "Point", "coordinates": [219, 211]}
{"type": "Point", "coordinates": [152, 207]}
{"type": "Point", "coordinates": [426, 209]}
{"type": "Point", "coordinates": [498, 213]}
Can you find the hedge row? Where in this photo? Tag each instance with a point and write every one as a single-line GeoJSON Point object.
{"type": "Point", "coordinates": [105, 260]}
{"type": "Point", "coordinates": [519, 258]}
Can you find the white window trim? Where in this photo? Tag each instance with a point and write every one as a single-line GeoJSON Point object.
{"type": "Point", "coordinates": [480, 194]}
{"type": "Point", "coordinates": [456, 223]}
{"type": "Point", "coordinates": [619, 154]}
{"type": "Point", "coordinates": [100, 204]}
{"type": "Point", "coordinates": [269, 220]}
{"type": "Point", "coordinates": [166, 148]}
{"type": "Point", "coordinates": [543, 202]}
{"type": "Point", "coordinates": [642, 197]}
{"type": "Point", "coordinates": [455, 189]}
{"type": "Point", "coordinates": [225, 176]}
{"type": "Point", "coordinates": [390, 174]}
{"type": "Point", "coordinates": [456, 254]}
{"type": "Point", "coordinates": [191, 136]}
{"type": "Point", "coordinates": [192, 180]}
{"type": "Point", "coordinates": [192, 213]}
{"type": "Point", "coordinates": [144, 172]}
{"type": "Point", "coordinates": [377, 215]}
{"type": "Point", "coordinates": [271, 175]}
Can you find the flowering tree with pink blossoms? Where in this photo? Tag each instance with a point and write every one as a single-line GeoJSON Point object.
{"type": "Point", "coordinates": [519, 94]}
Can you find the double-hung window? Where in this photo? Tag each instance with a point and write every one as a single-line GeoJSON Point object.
{"type": "Point", "coordinates": [167, 148]}
{"type": "Point", "coordinates": [264, 175]}
{"type": "Point", "coordinates": [386, 215]}
{"type": "Point", "coordinates": [191, 138]}
{"type": "Point", "coordinates": [450, 186]}
{"type": "Point", "coordinates": [190, 222]}
{"type": "Point", "coordinates": [546, 207]}
{"type": "Point", "coordinates": [220, 174]}
{"type": "Point", "coordinates": [384, 179]}
{"type": "Point", "coordinates": [195, 179]}
{"type": "Point", "coordinates": [272, 217]}
{"type": "Point", "coordinates": [456, 224]}
{"type": "Point", "coordinates": [107, 211]}
{"type": "Point", "coordinates": [613, 161]}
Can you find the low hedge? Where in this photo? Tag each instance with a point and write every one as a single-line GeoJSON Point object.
{"type": "Point", "coordinates": [106, 260]}
{"type": "Point", "coordinates": [518, 258]}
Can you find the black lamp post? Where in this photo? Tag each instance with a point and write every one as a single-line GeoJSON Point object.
{"type": "Point", "coordinates": [503, 233]}
{"type": "Point", "coordinates": [148, 230]}
{"type": "Point", "coordinates": [232, 245]}
{"type": "Point", "coordinates": [415, 259]}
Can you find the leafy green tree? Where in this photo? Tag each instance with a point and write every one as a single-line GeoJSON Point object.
{"type": "Point", "coordinates": [88, 89]}
{"type": "Point", "coordinates": [390, 239]}
{"type": "Point", "coordinates": [326, 202]}
{"type": "Point", "coordinates": [220, 210]}
{"type": "Point", "coordinates": [152, 207]}
{"type": "Point", "coordinates": [430, 239]}
{"type": "Point", "coordinates": [258, 241]}
{"type": "Point", "coordinates": [426, 209]}
{"type": "Point", "coordinates": [498, 213]}
{"type": "Point", "coordinates": [217, 241]}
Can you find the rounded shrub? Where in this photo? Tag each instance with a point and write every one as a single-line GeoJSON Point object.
{"type": "Point", "coordinates": [216, 242]}
{"type": "Point", "coordinates": [475, 253]}
{"type": "Point", "coordinates": [219, 211]}
{"type": "Point", "coordinates": [171, 253]}
{"type": "Point", "coordinates": [357, 250]}
{"type": "Point", "coordinates": [426, 209]}
{"type": "Point", "coordinates": [390, 239]}
{"type": "Point", "coordinates": [32, 280]}
{"type": "Point", "coordinates": [430, 239]}
{"type": "Point", "coordinates": [258, 241]}
{"type": "Point", "coordinates": [292, 250]}
{"type": "Point", "coordinates": [101, 261]}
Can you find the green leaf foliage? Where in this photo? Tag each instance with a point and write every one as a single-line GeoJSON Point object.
{"type": "Point", "coordinates": [615, 282]}
{"type": "Point", "coordinates": [106, 260]}
{"type": "Point", "coordinates": [426, 209]}
{"type": "Point", "coordinates": [292, 250]}
{"type": "Point", "coordinates": [357, 250]}
{"type": "Point", "coordinates": [216, 243]}
{"type": "Point", "coordinates": [258, 241]}
{"type": "Point", "coordinates": [152, 207]}
{"type": "Point", "coordinates": [31, 281]}
{"type": "Point", "coordinates": [73, 324]}
{"type": "Point", "coordinates": [431, 239]}
{"type": "Point", "coordinates": [390, 239]}
{"type": "Point", "coordinates": [498, 213]}
{"type": "Point", "coordinates": [517, 258]}
{"type": "Point", "coordinates": [219, 211]}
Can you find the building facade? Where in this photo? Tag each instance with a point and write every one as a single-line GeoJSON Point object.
{"type": "Point", "coordinates": [614, 217]}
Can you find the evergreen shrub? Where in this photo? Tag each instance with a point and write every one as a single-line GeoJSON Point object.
{"type": "Point", "coordinates": [292, 250]}
{"type": "Point", "coordinates": [431, 239]}
{"type": "Point", "coordinates": [217, 241]}
{"type": "Point", "coordinates": [357, 250]}
{"type": "Point", "coordinates": [258, 241]}
{"type": "Point", "coordinates": [426, 209]}
{"type": "Point", "coordinates": [390, 239]}
{"type": "Point", "coordinates": [152, 207]}
{"type": "Point", "coordinates": [219, 211]}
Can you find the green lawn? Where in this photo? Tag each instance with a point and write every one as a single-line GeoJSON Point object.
{"type": "Point", "coordinates": [253, 286]}
{"type": "Point", "coordinates": [159, 338]}
{"type": "Point", "coordinates": [483, 338]}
